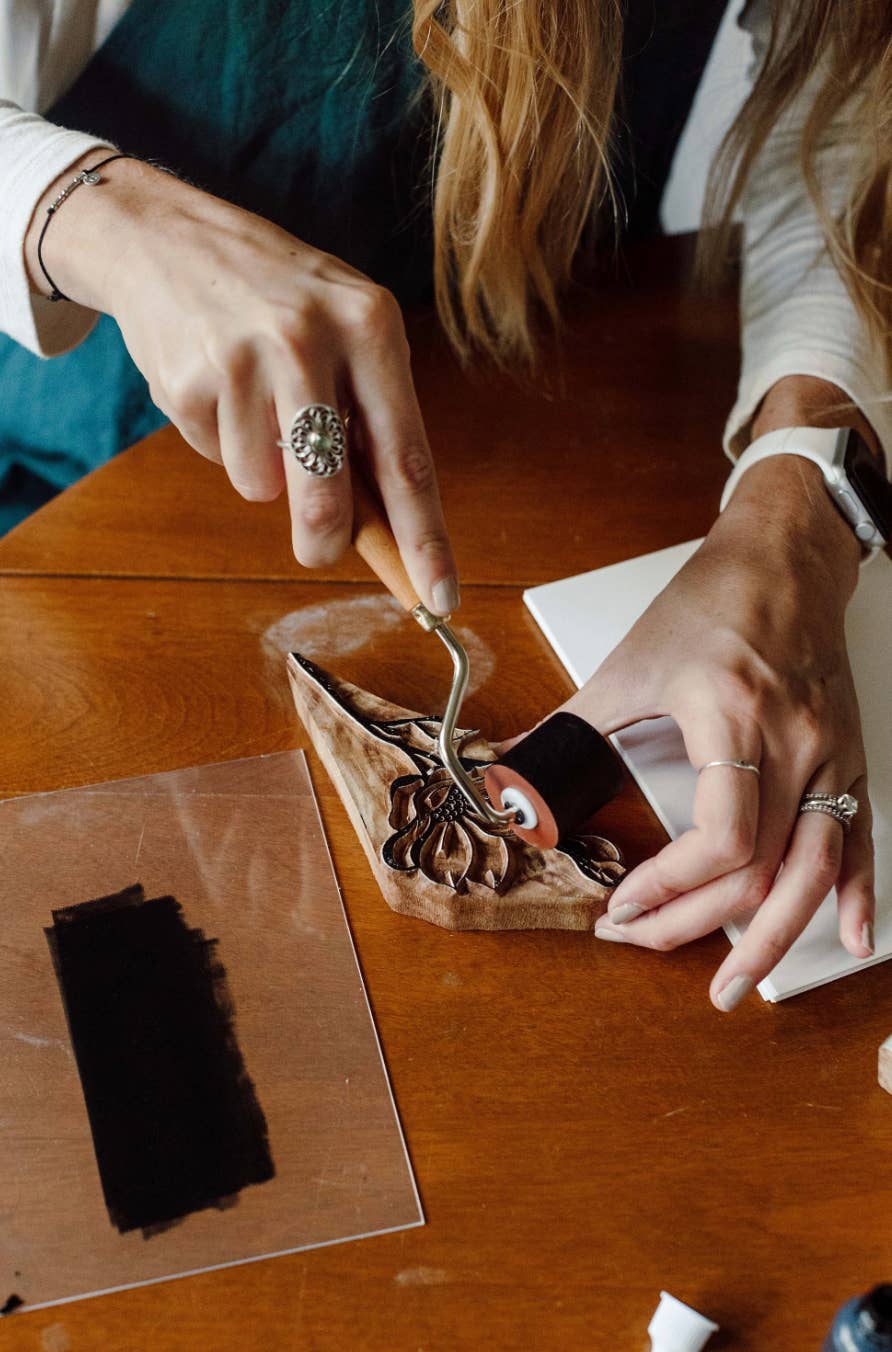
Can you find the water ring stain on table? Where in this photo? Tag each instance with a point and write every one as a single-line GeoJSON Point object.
{"type": "Point", "coordinates": [175, 1119]}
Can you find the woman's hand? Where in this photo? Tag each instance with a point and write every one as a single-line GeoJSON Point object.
{"type": "Point", "coordinates": [236, 325]}
{"type": "Point", "coordinates": [745, 649]}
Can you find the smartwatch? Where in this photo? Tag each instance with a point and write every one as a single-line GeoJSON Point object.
{"type": "Point", "coordinates": [855, 477]}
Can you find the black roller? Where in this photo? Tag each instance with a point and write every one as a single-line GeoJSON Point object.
{"type": "Point", "coordinates": [564, 769]}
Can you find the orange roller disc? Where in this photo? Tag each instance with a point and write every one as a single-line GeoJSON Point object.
{"type": "Point", "coordinates": [557, 777]}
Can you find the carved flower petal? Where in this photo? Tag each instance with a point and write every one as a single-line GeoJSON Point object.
{"type": "Point", "coordinates": [446, 854]}
{"type": "Point", "coordinates": [502, 868]}
{"type": "Point", "coordinates": [434, 794]}
{"type": "Point", "coordinates": [492, 856]}
{"type": "Point", "coordinates": [400, 851]}
{"type": "Point", "coordinates": [402, 800]}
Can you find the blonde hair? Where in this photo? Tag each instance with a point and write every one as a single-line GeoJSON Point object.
{"type": "Point", "coordinates": [524, 93]}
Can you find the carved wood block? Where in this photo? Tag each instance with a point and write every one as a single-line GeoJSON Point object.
{"type": "Point", "coordinates": [885, 1065]}
{"type": "Point", "coordinates": [432, 856]}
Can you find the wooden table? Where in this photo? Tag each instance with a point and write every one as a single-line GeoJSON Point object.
{"type": "Point", "coordinates": [585, 1127]}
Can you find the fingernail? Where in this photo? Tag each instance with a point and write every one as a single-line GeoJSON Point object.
{"type": "Point", "coordinates": [608, 932]}
{"type": "Point", "coordinates": [867, 935]}
{"type": "Point", "coordinates": [445, 595]}
{"type": "Point", "coordinates": [736, 990]}
{"type": "Point", "coordinates": [619, 915]}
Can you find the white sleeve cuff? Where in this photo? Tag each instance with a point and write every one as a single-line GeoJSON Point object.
{"type": "Point", "coordinates": [33, 152]}
{"type": "Point", "coordinates": [796, 314]}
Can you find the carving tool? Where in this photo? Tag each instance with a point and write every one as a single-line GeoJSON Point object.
{"type": "Point", "coordinates": [552, 780]}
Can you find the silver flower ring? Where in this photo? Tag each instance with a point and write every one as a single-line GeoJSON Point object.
{"type": "Point", "coordinates": [318, 440]}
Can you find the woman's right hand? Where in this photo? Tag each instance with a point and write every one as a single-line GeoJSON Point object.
{"type": "Point", "coordinates": [236, 325]}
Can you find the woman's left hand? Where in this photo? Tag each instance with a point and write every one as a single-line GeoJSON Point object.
{"type": "Point", "coordinates": [745, 649]}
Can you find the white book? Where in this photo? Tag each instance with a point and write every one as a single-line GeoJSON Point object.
{"type": "Point", "coordinates": [585, 617]}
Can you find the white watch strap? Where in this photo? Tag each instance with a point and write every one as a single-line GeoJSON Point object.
{"type": "Point", "coordinates": [817, 444]}
{"type": "Point", "coordinates": [813, 443]}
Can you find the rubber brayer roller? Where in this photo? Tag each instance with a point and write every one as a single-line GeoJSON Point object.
{"type": "Point", "coordinates": [559, 775]}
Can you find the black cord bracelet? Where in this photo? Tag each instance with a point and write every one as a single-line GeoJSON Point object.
{"type": "Point", "coordinates": [88, 176]}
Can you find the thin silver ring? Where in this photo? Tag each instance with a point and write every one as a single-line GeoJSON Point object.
{"type": "Point", "coordinates": [318, 440]}
{"type": "Point", "coordinates": [842, 807]}
{"type": "Point", "coordinates": [735, 765]}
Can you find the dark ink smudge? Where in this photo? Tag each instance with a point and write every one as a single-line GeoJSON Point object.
{"type": "Point", "coordinates": [12, 1303]}
{"type": "Point", "coordinates": [175, 1119]}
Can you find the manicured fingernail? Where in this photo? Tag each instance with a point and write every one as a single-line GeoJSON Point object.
{"type": "Point", "coordinates": [445, 595]}
{"type": "Point", "coordinates": [867, 935]}
{"type": "Point", "coordinates": [736, 990]}
{"type": "Point", "coordinates": [608, 932]}
{"type": "Point", "coordinates": [619, 915]}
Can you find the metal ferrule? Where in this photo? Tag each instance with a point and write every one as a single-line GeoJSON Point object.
{"type": "Point", "coordinates": [428, 622]}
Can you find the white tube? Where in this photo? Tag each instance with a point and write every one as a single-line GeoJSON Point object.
{"type": "Point", "coordinates": [675, 1327]}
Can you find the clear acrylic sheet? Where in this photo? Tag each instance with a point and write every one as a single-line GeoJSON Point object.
{"type": "Point", "coordinates": [240, 847]}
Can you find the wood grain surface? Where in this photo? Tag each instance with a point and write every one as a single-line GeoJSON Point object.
{"type": "Point", "coordinates": [586, 1129]}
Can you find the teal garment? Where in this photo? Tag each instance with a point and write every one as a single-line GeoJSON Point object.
{"type": "Point", "coordinates": [304, 111]}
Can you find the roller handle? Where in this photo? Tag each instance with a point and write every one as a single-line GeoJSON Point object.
{"type": "Point", "coordinates": [374, 542]}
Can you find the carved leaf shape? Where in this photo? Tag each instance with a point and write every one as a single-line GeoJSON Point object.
{"type": "Point", "coordinates": [596, 858]}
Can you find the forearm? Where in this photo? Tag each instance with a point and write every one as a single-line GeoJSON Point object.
{"type": "Point", "coordinates": [782, 504]}
{"type": "Point", "coordinates": [92, 229]}
{"type": "Point", "coordinates": [33, 154]}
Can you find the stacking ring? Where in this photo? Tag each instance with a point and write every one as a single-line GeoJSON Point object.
{"type": "Point", "coordinates": [318, 440]}
{"type": "Point", "coordinates": [735, 765]}
{"type": "Point", "coordinates": [842, 807]}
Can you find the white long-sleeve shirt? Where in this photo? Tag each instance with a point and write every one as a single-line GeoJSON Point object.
{"type": "Point", "coordinates": [796, 315]}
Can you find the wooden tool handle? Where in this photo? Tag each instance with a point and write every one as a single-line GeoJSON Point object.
{"type": "Point", "coordinates": [373, 540]}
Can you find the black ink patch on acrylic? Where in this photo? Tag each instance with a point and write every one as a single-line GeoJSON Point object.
{"type": "Point", "coordinates": [175, 1119]}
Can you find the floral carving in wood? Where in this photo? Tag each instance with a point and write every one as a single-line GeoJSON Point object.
{"type": "Point", "coordinates": [432, 855]}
